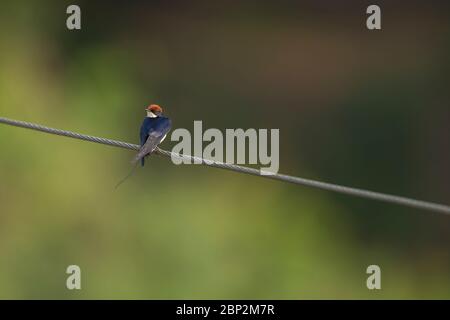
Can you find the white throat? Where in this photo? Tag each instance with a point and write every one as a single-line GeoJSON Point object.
{"type": "Point", "coordinates": [151, 114]}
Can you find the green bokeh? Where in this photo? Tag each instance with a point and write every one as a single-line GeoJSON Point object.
{"type": "Point", "coordinates": [360, 108]}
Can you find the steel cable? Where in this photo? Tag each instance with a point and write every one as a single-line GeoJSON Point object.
{"type": "Point", "coordinates": [413, 203]}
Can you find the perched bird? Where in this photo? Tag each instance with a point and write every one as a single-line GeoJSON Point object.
{"type": "Point", "coordinates": [154, 130]}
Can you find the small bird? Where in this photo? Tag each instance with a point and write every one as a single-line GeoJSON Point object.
{"type": "Point", "coordinates": [154, 130]}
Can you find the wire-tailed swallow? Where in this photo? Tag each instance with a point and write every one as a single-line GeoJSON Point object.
{"type": "Point", "coordinates": [154, 130]}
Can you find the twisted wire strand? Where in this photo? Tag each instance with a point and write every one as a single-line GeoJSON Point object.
{"type": "Point", "coordinates": [413, 203]}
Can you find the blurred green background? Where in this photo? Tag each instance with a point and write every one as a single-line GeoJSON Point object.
{"type": "Point", "coordinates": [362, 108]}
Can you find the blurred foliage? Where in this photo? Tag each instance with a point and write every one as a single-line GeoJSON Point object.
{"type": "Point", "coordinates": [360, 108]}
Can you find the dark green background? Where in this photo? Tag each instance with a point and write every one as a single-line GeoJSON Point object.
{"type": "Point", "coordinates": [362, 108]}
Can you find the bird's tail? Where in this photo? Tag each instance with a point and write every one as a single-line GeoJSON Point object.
{"type": "Point", "coordinates": [128, 175]}
{"type": "Point", "coordinates": [140, 157]}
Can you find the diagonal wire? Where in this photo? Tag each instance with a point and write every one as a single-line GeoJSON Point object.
{"type": "Point", "coordinates": [413, 203]}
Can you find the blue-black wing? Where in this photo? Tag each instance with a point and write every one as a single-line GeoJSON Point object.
{"type": "Point", "coordinates": [145, 128]}
{"type": "Point", "coordinates": [153, 131]}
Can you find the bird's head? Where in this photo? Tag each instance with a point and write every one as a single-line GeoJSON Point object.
{"type": "Point", "coordinates": [153, 111]}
